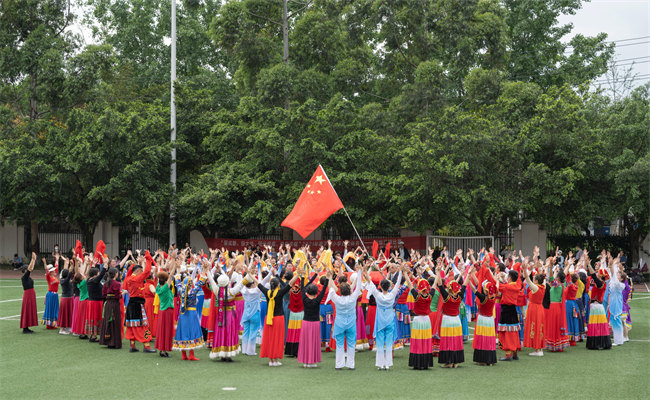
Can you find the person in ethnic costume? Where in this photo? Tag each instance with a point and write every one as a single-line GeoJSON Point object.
{"type": "Point", "coordinates": [555, 326]}
{"type": "Point", "coordinates": [384, 329]}
{"type": "Point", "coordinates": [165, 319]}
{"type": "Point", "coordinates": [137, 324]}
{"type": "Point", "coordinates": [225, 339]}
{"type": "Point", "coordinates": [273, 334]}
{"type": "Point", "coordinates": [484, 342]}
{"type": "Point", "coordinates": [66, 307]}
{"type": "Point", "coordinates": [51, 313]}
{"type": "Point", "coordinates": [535, 314]}
{"type": "Point", "coordinates": [111, 331]}
{"type": "Point", "coordinates": [451, 331]}
{"type": "Point", "coordinates": [509, 319]}
{"type": "Point", "coordinates": [421, 348]}
{"type": "Point", "coordinates": [189, 336]}
{"type": "Point", "coordinates": [28, 315]}
{"type": "Point", "coordinates": [309, 351]}
{"type": "Point", "coordinates": [598, 328]}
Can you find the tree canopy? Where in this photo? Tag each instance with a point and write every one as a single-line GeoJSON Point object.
{"type": "Point", "coordinates": [426, 114]}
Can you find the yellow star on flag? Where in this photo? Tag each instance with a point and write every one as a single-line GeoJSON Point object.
{"type": "Point", "coordinates": [319, 179]}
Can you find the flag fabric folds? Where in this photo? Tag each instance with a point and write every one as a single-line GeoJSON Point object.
{"type": "Point", "coordinates": [316, 203]}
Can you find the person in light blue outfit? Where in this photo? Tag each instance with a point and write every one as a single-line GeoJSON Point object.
{"type": "Point", "coordinates": [615, 287]}
{"type": "Point", "coordinates": [384, 332]}
{"type": "Point", "coordinates": [250, 319]}
{"type": "Point", "coordinates": [345, 324]}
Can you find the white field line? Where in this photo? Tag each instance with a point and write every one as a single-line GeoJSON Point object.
{"type": "Point", "coordinates": [10, 318]}
{"type": "Point", "coordinates": [6, 301]}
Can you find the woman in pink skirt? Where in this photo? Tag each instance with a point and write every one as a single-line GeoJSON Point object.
{"type": "Point", "coordinates": [225, 341]}
{"type": "Point", "coordinates": [309, 344]}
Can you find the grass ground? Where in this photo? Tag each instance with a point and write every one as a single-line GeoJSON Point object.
{"type": "Point", "coordinates": [47, 365]}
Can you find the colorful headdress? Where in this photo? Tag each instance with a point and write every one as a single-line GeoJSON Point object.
{"type": "Point", "coordinates": [423, 285]}
{"type": "Point", "coordinates": [603, 274]}
{"type": "Point", "coordinates": [489, 289]}
{"type": "Point", "coordinates": [454, 287]}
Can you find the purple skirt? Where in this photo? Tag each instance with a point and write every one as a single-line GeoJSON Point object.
{"type": "Point", "coordinates": [309, 345]}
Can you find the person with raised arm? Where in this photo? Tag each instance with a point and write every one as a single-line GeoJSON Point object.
{"type": "Point", "coordinates": [111, 331]}
{"type": "Point", "coordinates": [137, 325]}
{"type": "Point", "coordinates": [51, 313]}
{"type": "Point", "coordinates": [384, 329]}
{"type": "Point", "coordinates": [534, 322]}
{"type": "Point", "coordinates": [80, 280]}
{"type": "Point", "coordinates": [451, 332]}
{"type": "Point", "coordinates": [345, 323]}
{"type": "Point", "coordinates": [165, 319]}
{"type": "Point", "coordinates": [555, 326]}
{"type": "Point", "coordinates": [616, 287]}
{"type": "Point", "coordinates": [189, 336]}
{"type": "Point", "coordinates": [421, 348]}
{"type": "Point", "coordinates": [309, 352]}
{"type": "Point", "coordinates": [484, 342]}
{"type": "Point", "coordinates": [598, 328]}
{"type": "Point", "coordinates": [28, 314]}
{"type": "Point", "coordinates": [225, 339]}
{"type": "Point", "coordinates": [95, 300]}
{"type": "Point", "coordinates": [66, 307]}
{"type": "Point", "coordinates": [251, 316]}
{"type": "Point", "coordinates": [274, 330]}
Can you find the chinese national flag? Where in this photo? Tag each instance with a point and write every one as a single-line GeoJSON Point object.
{"type": "Point", "coordinates": [316, 203]}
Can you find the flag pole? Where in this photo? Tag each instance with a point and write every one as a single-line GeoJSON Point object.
{"type": "Point", "coordinates": [355, 229]}
{"type": "Point", "coordinates": [346, 211]}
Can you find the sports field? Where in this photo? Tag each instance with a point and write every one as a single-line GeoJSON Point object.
{"type": "Point", "coordinates": [48, 365]}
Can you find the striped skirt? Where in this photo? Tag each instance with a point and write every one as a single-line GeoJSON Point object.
{"type": "Point", "coordinates": [362, 338]}
{"type": "Point", "coordinates": [451, 340]}
{"type": "Point", "coordinates": [484, 343]}
{"type": "Point", "coordinates": [598, 329]}
{"type": "Point", "coordinates": [509, 328]}
{"type": "Point", "coordinates": [293, 333]}
{"type": "Point", "coordinates": [225, 340]}
{"type": "Point", "coordinates": [421, 354]}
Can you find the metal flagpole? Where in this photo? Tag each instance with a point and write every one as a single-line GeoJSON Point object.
{"type": "Point", "coordinates": [172, 208]}
{"type": "Point", "coordinates": [355, 229]}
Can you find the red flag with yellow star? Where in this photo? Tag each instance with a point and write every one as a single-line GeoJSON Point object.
{"type": "Point", "coordinates": [316, 203]}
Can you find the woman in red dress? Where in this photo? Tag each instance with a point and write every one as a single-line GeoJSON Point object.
{"type": "Point", "coordinates": [534, 324]}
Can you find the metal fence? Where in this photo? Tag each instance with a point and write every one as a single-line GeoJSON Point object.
{"type": "Point", "coordinates": [64, 239]}
{"type": "Point", "coordinates": [475, 243]}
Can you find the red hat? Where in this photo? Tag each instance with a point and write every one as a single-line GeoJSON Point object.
{"type": "Point", "coordinates": [423, 285]}
{"type": "Point", "coordinates": [454, 287]}
{"type": "Point", "coordinates": [490, 289]}
{"type": "Point", "coordinates": [602, 273]}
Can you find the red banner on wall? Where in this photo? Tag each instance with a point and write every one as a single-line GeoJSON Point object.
{"type": "Point", "coordinates": [411, 242]}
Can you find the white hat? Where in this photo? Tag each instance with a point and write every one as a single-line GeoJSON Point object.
{"type": "Point", "coordinates": [50, 268]}
{"type": "Point", "coordinates": [223, 280]}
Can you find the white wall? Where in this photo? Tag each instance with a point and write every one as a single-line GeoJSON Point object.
{"type": "Point", "coordinates": [12, 238]}
{"type": "Point", "coordinates": [529, 236]}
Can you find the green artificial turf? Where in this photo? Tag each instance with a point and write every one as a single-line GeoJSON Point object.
{"type": "Point", "coordinates": [48, 365]}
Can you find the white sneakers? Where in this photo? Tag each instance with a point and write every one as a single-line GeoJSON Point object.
{"type": "Point", "coordinates": [536, 353]}
{"type": "Point", "coordinates": [384, 368]}
{"type": "Point", "coordinates": [275, 364]}
{"type": "Point", "coordinates": [64, 331]}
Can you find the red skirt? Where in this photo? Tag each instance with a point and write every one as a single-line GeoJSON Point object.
{"type": "Point", "coordinates": [66, 309]}
{"type": "Point", "coordinates": [371, 313]}
{"type": "Point", "coordinates": [555, 333]}
{"type": "Point", "coordinates": [165, 330]}
{"type": "Point", "coordinates": [94, 317]}
{"type": "Point", "coordinates": [534, 327]}
{"type": "Point", "coordinates": [79, 318]}
{"type": "Point", "coordinates": [273, 339]}
{"type": "Point", "coordinates": [28, 314]}
{"type": "Point", "coordinates": [151, 317]}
